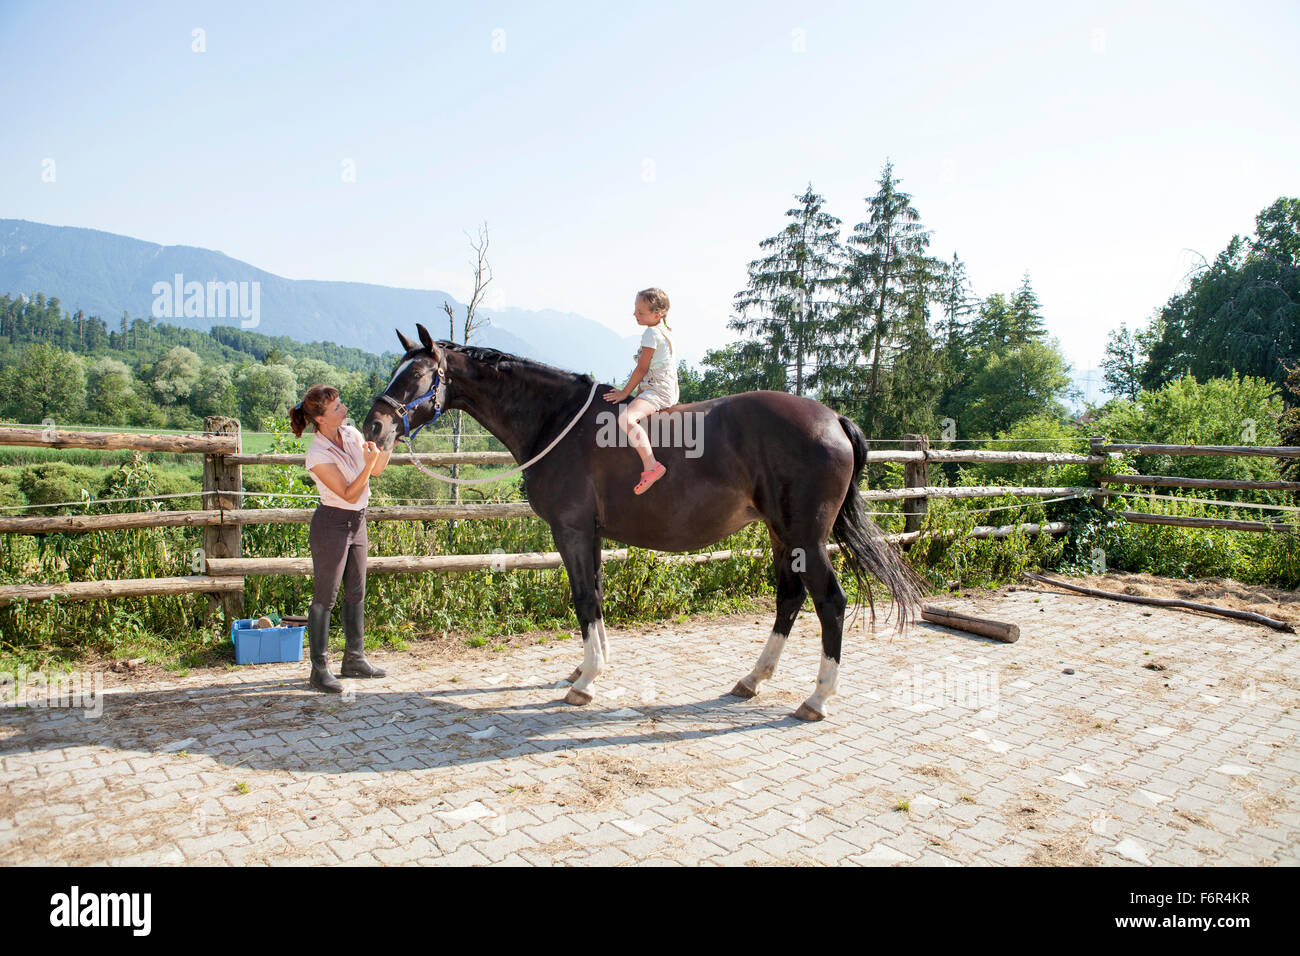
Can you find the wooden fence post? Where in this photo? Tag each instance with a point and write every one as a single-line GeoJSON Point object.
{"type": "Point", "coordinates": [1095, 472]}
{"type": "Point", "coordinates": [916, 474]}
{"type": "Point", "coordinates": [222, 487]}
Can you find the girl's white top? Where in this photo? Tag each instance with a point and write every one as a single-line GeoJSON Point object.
{"type": "Point", "coordinates": [350, 462]}
{"type": "Point", "coordinates": [661, 376]}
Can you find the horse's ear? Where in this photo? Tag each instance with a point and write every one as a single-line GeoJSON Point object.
{"type": "Point", "coordinates": [406, 343]}
{"type": "Point", "coordinates": [425, 337]}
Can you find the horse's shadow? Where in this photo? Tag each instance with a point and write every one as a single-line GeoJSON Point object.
{"type": "Point", "coordinates": [281, 725]}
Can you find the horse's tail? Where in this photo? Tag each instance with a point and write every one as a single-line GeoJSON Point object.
{"type": "Point", "coordinates": [865, 549]}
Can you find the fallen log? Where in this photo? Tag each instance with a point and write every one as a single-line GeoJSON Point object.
{"type": "Point", "coordinates": [1006, 633]}
{"type": "Point", "coordinates": [1169, 602]}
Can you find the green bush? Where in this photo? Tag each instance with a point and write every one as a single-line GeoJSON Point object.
{"type": "Point", "coordinates": [11, 494]}
{"type": "Point", "coordinates": [1221, 411]}
{"type": "Point", "coordinates": [58, 482]}
{"type": "Point", "coordinates": [1065, 438]}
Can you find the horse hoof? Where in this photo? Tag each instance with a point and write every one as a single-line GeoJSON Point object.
{"type": "Point", "coordinates": [743, 692]}
{"type": "Point", "coordinates": [807, 713]}
{"type": "Point", "coordinates": [578, 698]}
{"type": "Point", "coordinates": [573, 678]}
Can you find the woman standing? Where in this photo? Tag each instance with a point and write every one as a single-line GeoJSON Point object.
{"type": "Point", "coordinates": [341, 463]}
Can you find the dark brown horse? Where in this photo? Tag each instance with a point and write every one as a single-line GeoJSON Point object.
{"type": "Point", "coordinates": [787, 461]}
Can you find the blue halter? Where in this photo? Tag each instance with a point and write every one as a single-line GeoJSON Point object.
{"type": "Point", "coordinates": [438, 394]}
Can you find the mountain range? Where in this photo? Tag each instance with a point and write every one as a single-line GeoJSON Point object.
{"type": "Point", "coordinates": [105, 274]}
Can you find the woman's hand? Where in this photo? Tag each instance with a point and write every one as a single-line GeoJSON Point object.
{"type": "Point", "coordinates": [616, 396]}
{"type": "Point", "coordinates": [372, 453]}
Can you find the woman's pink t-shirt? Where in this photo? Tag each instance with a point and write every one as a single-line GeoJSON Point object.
{"type": "Point", "coordinates": [350, 463]}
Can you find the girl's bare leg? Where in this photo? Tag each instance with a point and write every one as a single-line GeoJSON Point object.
{"type": "Point", "coordinates": [636, 410]}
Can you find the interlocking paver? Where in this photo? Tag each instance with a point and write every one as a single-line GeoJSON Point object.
{"type": "Point", "coordinates": [199, 770]}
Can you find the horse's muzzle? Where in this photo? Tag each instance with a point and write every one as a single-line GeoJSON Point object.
{"type": "Point", "coordinates": [381, 428]}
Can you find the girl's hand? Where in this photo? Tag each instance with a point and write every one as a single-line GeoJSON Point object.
{"type": "Point", "coordinates": [615, 396]}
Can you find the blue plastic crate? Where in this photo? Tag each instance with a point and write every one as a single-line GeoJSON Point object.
{"type": "Point", "coordinates": [265, 645]}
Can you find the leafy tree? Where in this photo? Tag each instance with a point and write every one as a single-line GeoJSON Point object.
{"type": "Point", "coordinates": [1123, 363]}
{"type": "Point", "coordinates": [174, 375]}
{"type": "Point", "coordinates": [310, 371]}
{"type": "Point", "coordinates": [1277, 232]}
{"type": "Point", "coordinates": [994, 328]}
{"type": "Point", "coordinates": [46, 382]}
{"type": "Point", "coordinates": [690, 383]}
{"type": "Point", "coordinates": [109, 395]}
{"type": "Point", "coordinates": [1006, 370]}
{"type": "Point", "coordinates": [1289, 426]}
{"type": "Point", "coordinates": [359, 391]}
{"type": "Point", "coordinates": [263, 391]}
{"type": "Point", "coordinates": [1015, 383]}
{"type": "Point", "coordinates": [214, 392]}
{"type": "Point", "coordinates": [354, 388]}
{"type": "Point", "coordinates": [1241, 313]}
{"type": "Point", "coordinates": [738, 368]}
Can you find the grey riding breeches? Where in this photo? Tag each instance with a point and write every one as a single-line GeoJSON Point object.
{"type": "Point", "coordinates": [338, 553]}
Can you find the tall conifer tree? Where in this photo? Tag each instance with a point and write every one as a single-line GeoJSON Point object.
{"type": "Point", "coordinates": [785, 315]}
{"type": "Point", "coordinates": [885, 254]}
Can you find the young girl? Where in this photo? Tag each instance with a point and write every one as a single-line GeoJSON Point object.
{"type": "Point", "coordinates": [656, 372]}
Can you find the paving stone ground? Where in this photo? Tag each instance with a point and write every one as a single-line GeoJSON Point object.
{"type": "Point", "coordinates": [1174, 741]}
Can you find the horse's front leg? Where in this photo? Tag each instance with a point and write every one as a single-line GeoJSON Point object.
{"type": "Point", "coordinates": [600, 620]}
{"type": "Point", "coordinates": [790, 593]}
{"type": "Point", "coordinates": [581, 554]}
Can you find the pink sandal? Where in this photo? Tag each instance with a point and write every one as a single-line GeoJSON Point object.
{"type": "Point", "coordinates": [648, 478]}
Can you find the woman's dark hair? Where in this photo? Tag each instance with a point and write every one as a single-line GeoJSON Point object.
{"type": "Point", "coordinates": [318, 400]}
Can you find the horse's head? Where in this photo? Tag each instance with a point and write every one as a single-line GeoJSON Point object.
{"type": "Point", "coordinates": [415, 395]}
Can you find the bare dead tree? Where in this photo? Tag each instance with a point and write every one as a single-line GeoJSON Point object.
{"type": "Point", "coordinates": [473, 322]}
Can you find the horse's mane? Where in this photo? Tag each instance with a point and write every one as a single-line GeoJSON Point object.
{"type": "Point", "coordinates": [506, 362]}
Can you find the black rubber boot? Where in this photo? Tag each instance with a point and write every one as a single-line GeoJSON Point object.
{"type": "Point", "coordinates": [318, 640]}
{"type": "Point", "coordinates": [354, 653]}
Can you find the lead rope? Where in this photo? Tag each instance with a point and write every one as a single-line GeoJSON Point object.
{"type": "Point", "coordinates": [513, 471]}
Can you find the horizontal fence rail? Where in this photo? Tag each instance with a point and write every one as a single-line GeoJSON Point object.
{"type": "Point", "coordinates": [117, 441]}
{"type": "Point", "coordinates": [46, 524]}
{"type": "Point", "coordinates": [227, 574]}
{"type": "Point", "coordinates": [1258, 451]}
{"type": "Point", "coordinates": [994, 457]}
{"type": "Point", "coordinates": [132, 587]}
{"type": "Point", "coordinates": [223, 516]}
{"type": "Point", "coordinates": [972, 491]}
{"type": "Point", "coordinates": [443, 458]}
{"type": "Point", "coordinates": [1229, 524]}
{"type": "Point", "coordinates": [1165, 481]}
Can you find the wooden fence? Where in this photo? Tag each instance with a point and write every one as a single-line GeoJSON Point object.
{"type": "Point", "coordinates": [223, 515]}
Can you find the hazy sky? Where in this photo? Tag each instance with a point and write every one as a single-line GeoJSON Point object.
{"type": "Point", "coordinates": [615, 147]}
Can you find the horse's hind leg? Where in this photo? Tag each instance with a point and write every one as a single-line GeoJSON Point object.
{"type": "Point", "coordinates": [790, 592]}
{"type": "Point", "coordinates": [828, 598]}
